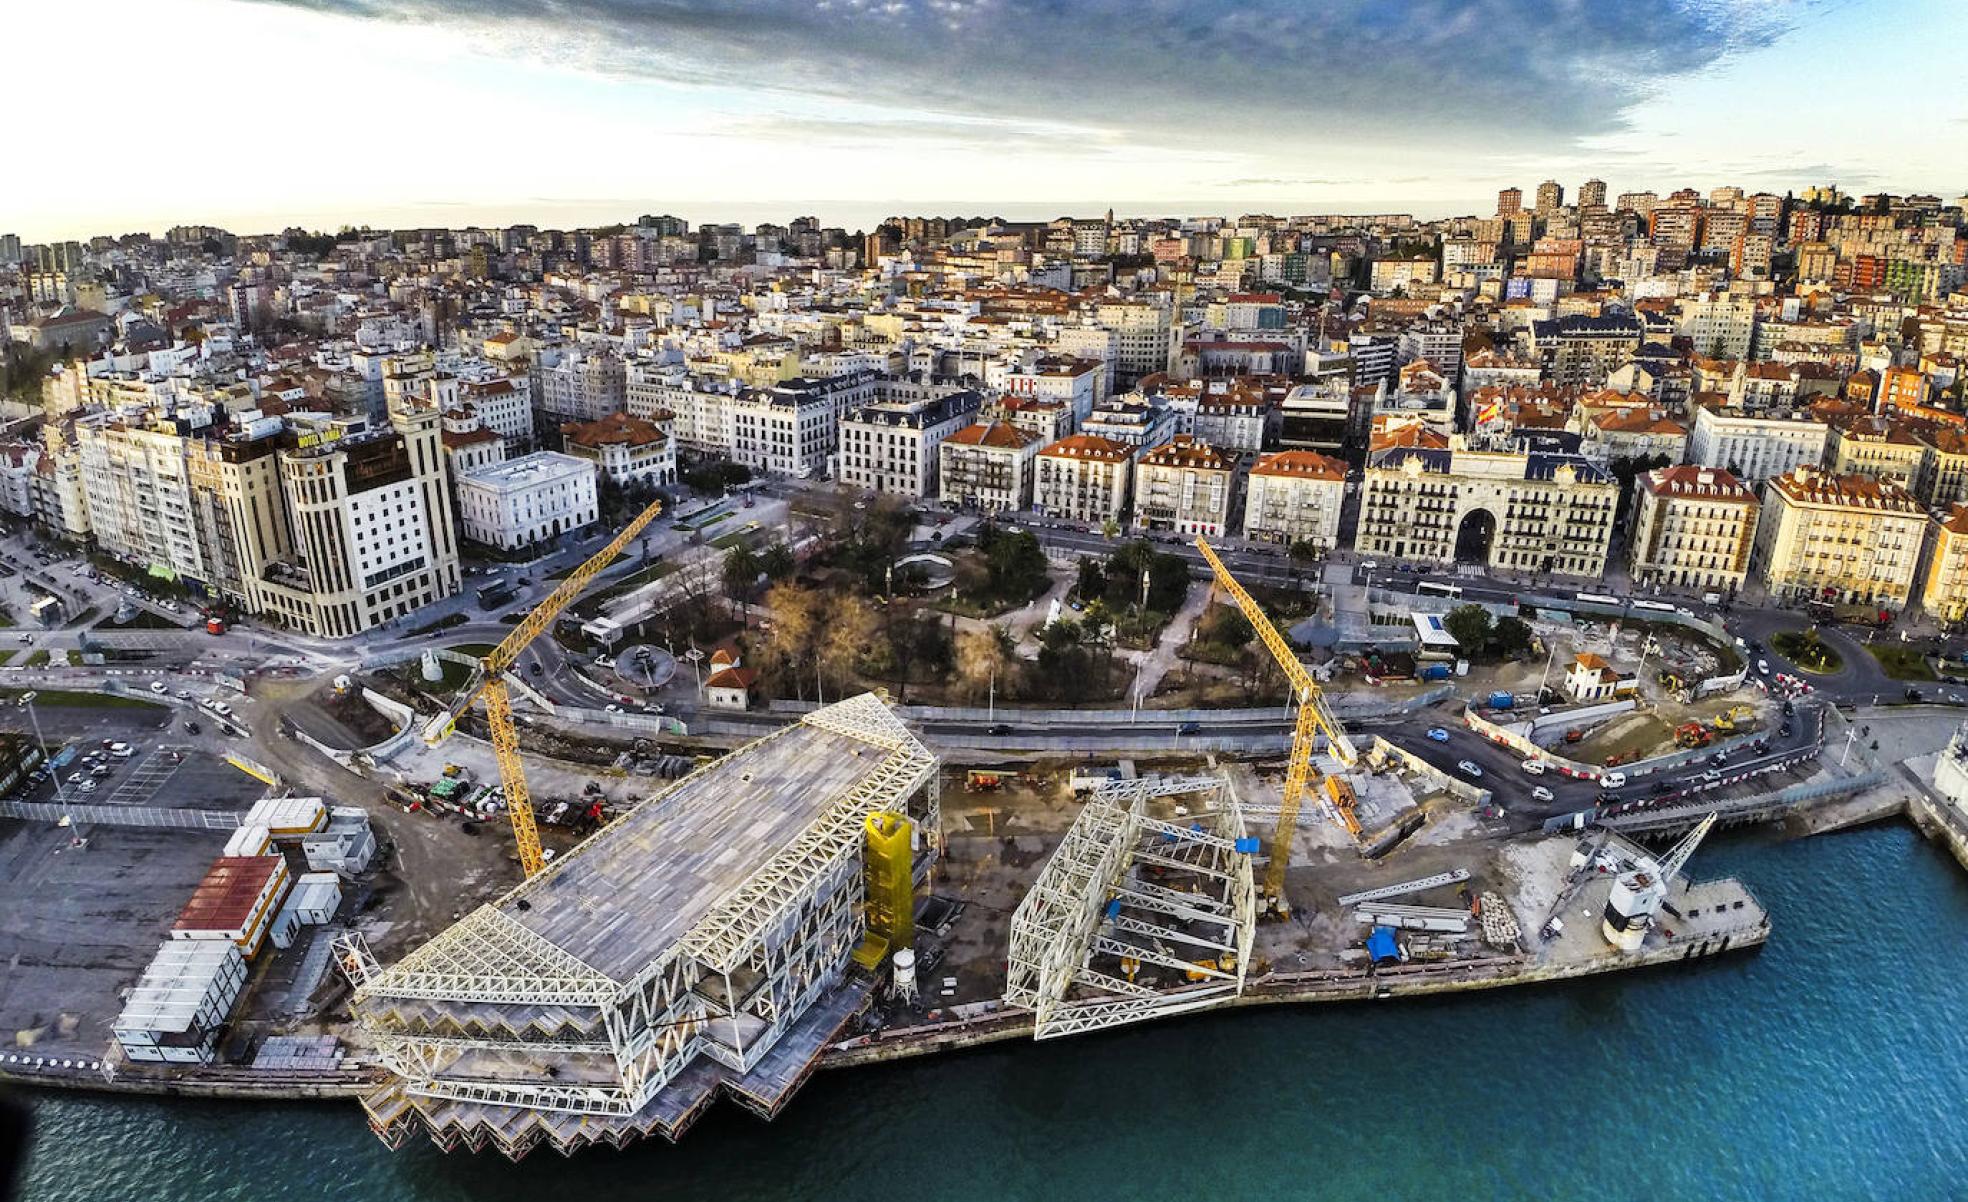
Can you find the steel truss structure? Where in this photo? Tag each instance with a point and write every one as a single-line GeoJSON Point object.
{"type": "Point", "coordinates": [499, 1034]}
{"type": "Point", "coordinates": [1128, 897]}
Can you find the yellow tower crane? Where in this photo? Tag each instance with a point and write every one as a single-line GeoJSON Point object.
{"type": "Point", "coordinates": [1313, 717]}
{"type": "Point", "coordinates": [498, 704]}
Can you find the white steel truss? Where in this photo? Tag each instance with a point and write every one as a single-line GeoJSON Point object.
{"type": "Point", "coordinates": [1091, 920]}
{"type": "Point", "coordinates": [492, 1030]}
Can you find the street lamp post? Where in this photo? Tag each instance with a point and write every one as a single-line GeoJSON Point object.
{"type": "Point", "coordinates": [61, 794]}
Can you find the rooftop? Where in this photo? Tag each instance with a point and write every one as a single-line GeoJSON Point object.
{"type": "Point", "coordinates": [536, 468]}
{"type": "Point", "coordinates": [683, 859]}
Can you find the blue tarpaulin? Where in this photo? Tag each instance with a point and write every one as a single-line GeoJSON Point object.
{"type": "Point", "coordinates": [1381, 946]}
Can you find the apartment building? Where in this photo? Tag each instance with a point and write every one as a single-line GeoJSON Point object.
{"type": "Point", "coordinates": [1185, 485]}
{"type": "Point", "coordinates": [504, 405]}
{"type": "Point", "coordinates": [1693, 527]}
{"type": "Point", "coordinates": [987, 466]}
{"type": "Point", "coordinates": [1944, 466]}
{"type": "Point", "coordinates": [1849, 539]}
{"type": "Point", "coordinates": [1080, 383]}
{"type": "Point", "coordinates": [1944, 595]}
{"type": "Point", "coordinates": [1231, 415]}
{"type": "Point", "coordinates": [581, 384]}
{"type": "Point", "coordinates": [1754, 449]}
{"type": "Point", "coordinates": [527, 500]}
{"type": "Point", "coordinates": [1293, 497]}
{"type": "Point", "coordinates": [1146, 339]}
{"type": "Point", "coordinates": [1877, 446]}
{"type": "Point", "coordinates": [139, 493]}
{"type": "Point", "coordinates": [624, 449]}
{"type": "Point", "coordinates": [1083, 478]}
{"type": "Point", "coordinates": [1580, 351]}
{"type": "Point", "coordinates": [1720, 325]}
{"type": "Point", "coordinates": [1533, 512]}
{"type": "Point", "coordinates": [890, 446]}
{"type": "Point", "coordinates": [793, 429]}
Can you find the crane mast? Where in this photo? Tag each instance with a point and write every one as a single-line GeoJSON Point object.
{"type": "Point", "coordinates": [498, 701]}
{"type": "Point", "coordinates": [1313, 718]}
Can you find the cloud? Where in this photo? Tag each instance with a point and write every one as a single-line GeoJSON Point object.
{"type": "Point", "coordinates": [1243, 74]}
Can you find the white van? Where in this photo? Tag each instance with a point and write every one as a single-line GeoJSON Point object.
{"type": "Point", "coordinates": [1534, 767]}
{"type": "Point", "coordinates": [1613, 780]}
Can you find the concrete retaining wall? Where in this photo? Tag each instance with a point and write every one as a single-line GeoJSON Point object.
{"type": "Point", "coordinates": [1453, 786]}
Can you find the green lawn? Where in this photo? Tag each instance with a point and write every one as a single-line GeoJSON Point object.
{"type": "Point", "coordinates": [591, 603]}
{"type": "Point", "coordinates": [35, 660]}
{"type": "Point", "coordinates": [475, 650]}
{"type": "Point", "coordinates": [80, 700]}
{"type": "Point", "coordinates": [1807, 653]}
{"type": "Point", "coordinates": [1900, 662]}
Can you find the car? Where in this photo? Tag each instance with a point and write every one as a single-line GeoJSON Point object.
{"type": "Point", "coordinates": [1189, 728]}
{"type": "Point", "coordinates": [157, 686]}
{"type": "Point", "coordinates": [122, 751]}
{"type": "Point", "coordinates": [1438, 734]}
{"type": "Point", "coordinates": [1789, 707]}
{"type": "Point", "coordinates": [1605, 799]}
{"type": "Point", "coordinates": [1783, 732]}
{"type": "Point", "coordinates": [1469, 768]}
{"type": "Point", "coordinates": [1660, 786]}
{"type": "Point", "coordinates": [612, 708]}
{"type": "Point", "coordinates": [87, 786]}
{"type": "Point", "coordinates": [1000, 729]}
{"type": "Point", "coordinates": [1762, 667]}
{"type": "Point", "coordinates": [182, 694]}
{"type": "Point", "coordinates": [1534, 767]}
{"type": "Point", "coordinates": [1711, 776]}
{"type": "Point", "coordinates": [1613, 780]}
{"type": "Point", "coordinates": [192, 727]}
{"type": "Point", "coordinates": [1913, 694]}
{"type": "Point", "coordinates": [26, 638]}
{"type": "Point", "coordinates": [1543, 794]}
{"type": "Point", "coordinates": [1369, 565]}
{"type": "Point", "coordinates": [535, 668]}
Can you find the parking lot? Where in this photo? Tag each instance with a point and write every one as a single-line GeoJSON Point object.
{"type": "Point", "coordinates": [82, 911]}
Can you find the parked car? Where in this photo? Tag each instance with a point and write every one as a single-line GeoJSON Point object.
{"type": "Point", "coordinates": [1438, 734]}
{"type": "Point", "coordinates": [1469, 768]}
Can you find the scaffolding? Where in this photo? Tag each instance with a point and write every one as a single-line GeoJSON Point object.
{"type": "Point", "coordinates": [1129, 898]}
{"type": "Point", "coordinates": [700, 944]}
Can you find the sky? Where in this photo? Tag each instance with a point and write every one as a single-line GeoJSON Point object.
{"type": "Point", "coordinates": [260, 114]}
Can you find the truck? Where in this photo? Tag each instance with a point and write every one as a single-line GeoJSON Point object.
{"type": "Point", "coordinates": [1501, 700]}
{"type": "Point", "coordinates": [1436, 671]}
{"type": "Point", "coordinates": [496, 594]}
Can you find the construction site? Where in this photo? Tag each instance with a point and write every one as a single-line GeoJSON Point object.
{"type": "Point", "coordinates": [727, 920]}
{"type": "Point", "coordinates": [832, 894]}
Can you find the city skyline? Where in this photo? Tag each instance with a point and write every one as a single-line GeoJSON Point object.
{"type": "Point", "coordinates": [853, 111]}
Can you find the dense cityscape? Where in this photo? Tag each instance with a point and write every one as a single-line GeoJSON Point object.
{"type": "Point", "coordinates": [982, 600]}
{"type": "Point", "coordinates": [1766, 389]}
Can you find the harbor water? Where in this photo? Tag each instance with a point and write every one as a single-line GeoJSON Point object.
{"type": "Point", "coordinates": [1831, 1064]}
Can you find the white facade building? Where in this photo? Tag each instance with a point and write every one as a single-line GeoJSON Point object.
{"type": "Point", "coordinates": [527, 500]}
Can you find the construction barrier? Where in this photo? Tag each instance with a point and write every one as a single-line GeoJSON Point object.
{"type": "Point", "coordinates": [254, 768]}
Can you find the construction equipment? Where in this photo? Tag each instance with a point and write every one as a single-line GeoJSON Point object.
{"type": "Point", "coordinates": [1639, 893]}
{"type": "Point", "coordinates": [1313, 717]}
{"type": "Point", "coordinates": [491, 686]}
{"type": "Point", "coordinates": [1692, 734]}
{"type": "Point", "coordinates": [1734, 717]}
